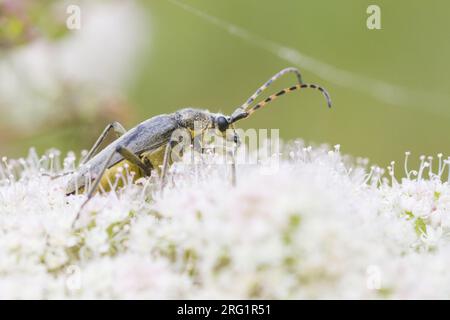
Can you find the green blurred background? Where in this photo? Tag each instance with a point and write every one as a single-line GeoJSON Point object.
{"type": "Point", "coordinates": [187, 61]}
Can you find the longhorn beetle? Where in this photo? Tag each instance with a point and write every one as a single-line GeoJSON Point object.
{"type": "Point", "coordinates": [147, 146]}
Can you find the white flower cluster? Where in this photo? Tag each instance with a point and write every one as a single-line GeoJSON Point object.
{"type": "Point", "coordinates": [321, 226]}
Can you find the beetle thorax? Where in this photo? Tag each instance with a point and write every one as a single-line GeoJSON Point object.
{"type": "Point", "coordinates": [195, 119]}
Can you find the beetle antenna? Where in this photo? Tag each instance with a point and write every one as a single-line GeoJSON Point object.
{"type": "Point", "coordinates": [246, 113]}
{"type": "Point", "coordinates": [269, 82]}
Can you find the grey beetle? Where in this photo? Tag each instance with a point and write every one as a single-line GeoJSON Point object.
{"type": "Point", "coordinates": [147, 146]}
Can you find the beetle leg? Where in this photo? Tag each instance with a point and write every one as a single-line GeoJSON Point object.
{"type": "Point", "coordinates": [118, 130]}
{"type": "Point", "coordinates": [128, 155]}
{"type": "Point", "coordinates": [165, 165]}
{"type": "Point", "coordinates": [134, 159]}
{"type": "Point", "coordinates": [94, 187]}
{"type": "Point", "coordinates": [232, 155]}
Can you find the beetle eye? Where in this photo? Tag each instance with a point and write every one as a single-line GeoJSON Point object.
{"type": "Point", "coordinates": [222, 124]}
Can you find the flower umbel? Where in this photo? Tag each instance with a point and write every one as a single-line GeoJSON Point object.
{"type": "Point", "coordinates": [323, 226]}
